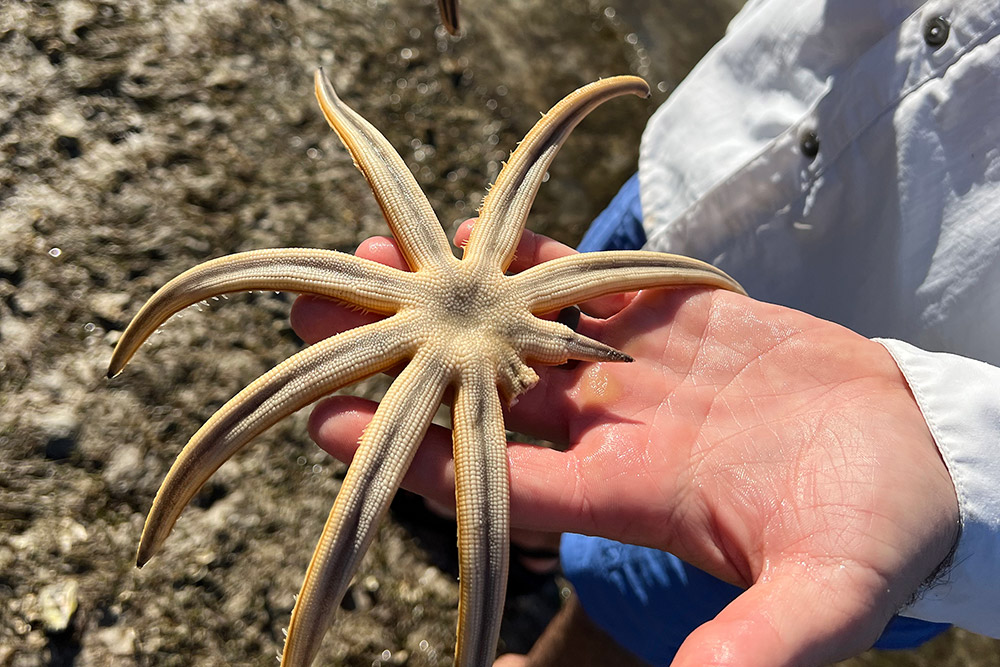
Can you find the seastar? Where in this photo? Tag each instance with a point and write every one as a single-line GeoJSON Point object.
{"type": "Point", "coordinates": [449, 15]}
{"type": "Point", "coordinates": [461, 323]}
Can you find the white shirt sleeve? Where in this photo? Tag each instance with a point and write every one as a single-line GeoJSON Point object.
{"type": "Point", "coordinates": [960, 400]}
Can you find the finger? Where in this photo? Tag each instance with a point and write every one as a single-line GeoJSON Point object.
{"type": "Point", "coordinates": [463, 232]}
{"type": "Point", "coordinates": [531, 249]}
{"type": "Point", "coordinates": [336, 425]}
{"type": "Point", "coordinates": [535, 472]}
{"type": "Point", "coordinates": [314, 318]}
{"type": "Point", "coordinates": [534, 249]}
{"type": "Point", "coordinates": [383, 250]}
{"type": "Point", "coordinates": [814, 617]}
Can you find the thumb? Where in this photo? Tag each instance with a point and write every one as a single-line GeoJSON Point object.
{"type": "Point", "coordinates": [800, 619]}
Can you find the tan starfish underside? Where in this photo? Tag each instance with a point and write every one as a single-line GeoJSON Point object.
{"type": "Point", "coordinates": [459, 323]}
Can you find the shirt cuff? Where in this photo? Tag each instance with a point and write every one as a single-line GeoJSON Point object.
{"type": "Point", "coordinates": [960, 400]}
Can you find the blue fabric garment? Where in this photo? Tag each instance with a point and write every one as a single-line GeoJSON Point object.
{"type": "Point", "coordinates": [619, 226]}
{"type": "Point", "coordinates": [650, 600]}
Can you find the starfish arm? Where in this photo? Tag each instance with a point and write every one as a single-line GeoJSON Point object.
{"type": "Point", "coordinates": [289, 386]}
{"type": "Point", "coordinates": [403, 203]}
{"type": "Point", "coordinates": [546, 342]}
{"type": "Point", "coordinates": [576, 278]}
{"type": "Point", "coordinates": [482, 492]}
{"type": "Point", "coordinates": [387, 447]}
{"type": "Point", "coordinates": [328, 273]}
{"type": "Point", "coordinates": [505, 209]}
{"type": "Point", "coordinates": [449, 15]}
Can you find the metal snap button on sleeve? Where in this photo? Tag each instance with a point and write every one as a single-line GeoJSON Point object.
{"type": "Point", "coordinates": [936, 31]}
{"type": "Point", "coordinates": [809, 143]}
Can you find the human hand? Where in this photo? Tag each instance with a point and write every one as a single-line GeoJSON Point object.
{"type": "Point", "coordinates": [771, 449]}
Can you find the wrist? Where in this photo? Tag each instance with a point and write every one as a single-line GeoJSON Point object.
{"type": "Point", "coordinates": [944, 497]}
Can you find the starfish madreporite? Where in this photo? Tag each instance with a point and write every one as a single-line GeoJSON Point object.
{"type": "Point", "coordinates": [459, 323]}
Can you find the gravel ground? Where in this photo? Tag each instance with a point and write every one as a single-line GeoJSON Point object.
{"type": "Point", "coordinates": [141, 137]}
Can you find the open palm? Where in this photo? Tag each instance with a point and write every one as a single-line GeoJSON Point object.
{"type": "Point", "coordinates": [776, 451]}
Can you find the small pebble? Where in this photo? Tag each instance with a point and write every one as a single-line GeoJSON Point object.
{"type": "Point", "coordinates": [58, 603]}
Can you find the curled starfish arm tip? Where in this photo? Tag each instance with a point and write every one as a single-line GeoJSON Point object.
{"type": "Point", "coordinates": [293, 384]}
{"type": "Point", "coordinates": [449, 15]}
{"type": "Point", "coordinates": [326, 273]}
